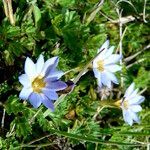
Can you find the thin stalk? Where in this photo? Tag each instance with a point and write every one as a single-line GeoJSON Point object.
{"type": "Point", "coordinates": [31, 120]}
{"type": "Point", "coordinates": [12, 130]}
{"type": "Point", "coordinates": [120, 44]}
{"type": "Point", "coordinates": [10, 10]}
{"type": "Point", "coordinates": [144, 11]}
{"type": "Point", "coordinates": [39, 139]}
{"type": "Point", "coordinates": [3, 119]}
{"type": "Point", "coordinates": [99, 109]}
{"type": "Point", "coordinates": [138, 61]}
{"type": "Point", "coordinates": [136, 54]}
{"type": "Point", "coordinates": [6, 8]}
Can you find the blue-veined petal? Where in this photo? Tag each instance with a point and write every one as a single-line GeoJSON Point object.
{"type": "Point", "coordinates": [109, 52]}
{"type": "Point", "coordinates": [95, 65]}
{"type": "Point", "coordinates": [114, 58]}
{"type": "Point", "coordinates": [136, 100]}
{"type": "Point", "coordinates": [55, 73]}
{"type": "Point", "coordinates": [49, 64]}
{"type": "Point", "coordinates": [30, 68]}
{"type": "Point", "coordinates": [50, 94]}
{"type": "Point", "coordinates": [134, 116]}
{"type": "Point", "coordinates": [105, 79]}
{"type": "Point", "coordinates": [127, 118]}
{"type": "Point", "coordinates": [25, 93]}
{"type": "Point", "coordinates": [96, 72]}
{"type": "Point", "coordinates": [134, 94]}
{"type": "Point", "coordinates": [104, 54]}
{"type": "Point", "coordinates": [56, 85]}
{"type": "Point", "coordinates": [35, 99]}
{"type": "Point", "coordinates": [104, 46]}
{"type": "Point", "coordinates": [135, 108]}
{"type": "Point", "coordinates": [47, 103]}
{"type": "Point", "coordinates": [47, 80]}
{"type": "Point", "coordinates": [39, 64]}
{"type": "Point", "coordinates": [113, 68]}
{"type": "Point", "coordinates": [24, 80]}
{"type": "Point", "coordinates": [129, 90]}
{"type": "Point", "coordinates": [111, 77]}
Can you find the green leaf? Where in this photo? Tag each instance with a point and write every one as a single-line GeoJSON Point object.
{"type": "Point", "coordinates": [22, 125]}
{"type": "Point", "coordinates": [92, 139]}
{"type": "Point", "coordinates": [16, 48]}
{"type": "Point", "coordinates": [143, 78]}
{"type": "Point", "coordinates": [66, 3]}
{"type": "Point", "coordinates": [37, 16]}
{"type": "Point", "coordinates": [13, 105]}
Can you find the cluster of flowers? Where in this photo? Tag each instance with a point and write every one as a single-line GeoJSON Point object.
{"type": "Point", "coordinates": [41, 82]}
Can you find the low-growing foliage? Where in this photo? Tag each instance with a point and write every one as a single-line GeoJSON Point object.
{"type": "Point", "coordinates": [88, 113]}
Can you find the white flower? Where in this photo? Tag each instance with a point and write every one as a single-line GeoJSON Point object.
{"type": "Point", "coordinates": [104, 65]}
{"type": "Point", "coordinates": [130, 105]}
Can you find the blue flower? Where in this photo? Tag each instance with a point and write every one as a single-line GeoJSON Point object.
{"type": "Point", "coordinates": [130, 105]}
{"type": "Point", "coordinates": [41, 82]}
{"type": "Point", "coordinates": [104, 65]}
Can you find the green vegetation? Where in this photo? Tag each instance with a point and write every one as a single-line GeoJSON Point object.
{"type": "Point", "coordinates": [73, 30]}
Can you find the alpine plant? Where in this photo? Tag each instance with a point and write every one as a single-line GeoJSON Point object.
{"type": "Point", "coordinates": [130, 105]}
{"type": "Point", "coordinates": [41, 82]}
{"type": "Point", "coordinates": [104, 66]}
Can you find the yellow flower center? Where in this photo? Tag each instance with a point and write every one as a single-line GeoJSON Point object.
{"type": "Point", "coordinates": [37, 84]}
{"type": "Point", "coordinates": [100, 64]}
{"type": "Point", "coordinates": [118, 103]}
{"type": "Point", "coordinates": [124, 103]}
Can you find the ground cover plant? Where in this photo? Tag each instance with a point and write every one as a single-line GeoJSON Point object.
{"type": "Point", "coordinates": [74, 74]}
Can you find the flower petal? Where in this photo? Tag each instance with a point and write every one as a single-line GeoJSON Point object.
{"type": "Point", "coordinates": [129, 90]}
{"type": "Point", "coordinates": [48, 103]}
{"type": "Point", "coordinates": [134, 116]}
{"type": "Point", "coordinates": [50, 94]}
{"type": "Point", "coordinates": [99, 82]}
{"type": "Point", "coordinates": [35, 99]}
{"type": "Point", "coordinates": [136, 100]}
{"type": "Point", "coordinates": [98, 76]}
{"type": "Point", "coordinates": [127, 117]}
{"type": "Point", "coordinates": [24, 80]}
{"type": "Point", "coordinates": [49, 65]}
{"type": "Point", "coordinates": [55, 74]}
{"type": "Point", "coordinates": [104, 46]}
{"type": "Point", "coordinates": [105, 79]}
{"type": "Point", "coordinates": [30, 68]}
{"type": "Point", "coordinates": [95, 63]}
{"type": "Point", "coordinates": [50, 79]}
{"type": "Point", "coordinates": [114, 58]}
{"type": "Point", "coordinates": [96, 73]}
{"type": "Point", "coordinates": [135, 108]}
{"type": "Point", "coordinates": [109, 52]}
{"type": "Point", "coordinates": [39, 64]}
{"type": "Point", "coordinates": [104, 54]}
{"type": "Point", "coordinates": [112, 77]}
{"type": "Point", "coordinates": [25, 93]}
{"type": "Point", "coordinates": [134, 94]}
{"type": "Point", "coordinates": [56, 85]}
{"type": "Point", "coordinates": [113, 68]}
